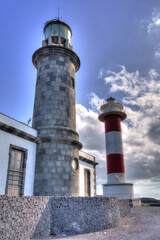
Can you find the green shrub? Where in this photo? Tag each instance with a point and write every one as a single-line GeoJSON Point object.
{"type": "Point", "coordinates": [145, 204]}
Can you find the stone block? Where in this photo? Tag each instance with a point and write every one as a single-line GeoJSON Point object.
{"type": "Point", "coordinates": [57, 189]}
{"type": "Point", "coordinates": [51, 163]}
{"type": "Point", "coordinates": [60, 170]}
{"type": "Point", "coordinates": [59, 163]}
{"type": "Point", "coordinates": [48, 189]}
{"type": "Point", "coordinates": [61, 157]}
{"type": "Point", "coordinates": [47, 175]}
{"type": "Point", "coordinates": [52, 170]}
{"type": "Point", "coordinates": [45, 169]}
{"type": "Point", "coordinates": [65, 176]}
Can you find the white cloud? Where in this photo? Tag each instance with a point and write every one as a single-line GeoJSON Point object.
{"type": "Point", "coordinates": [153, 31]}
{"type": "Point", "coordinates": [123, 81]}
{"type": "Point", "coordinates": [141, 131]}
{"type": "Point", "coordinates": [154, 24]}
{"type": "Point", "coordinates": [147, 189]}
{"type": "Point", "coordinates": [90, 129]}
{"type": "Point", "coordinates": [153, 74]}
{"type": "Point", "coordinates": [157, 53]}
{"type": "Point", "coordinates": [101, 72]}
{"type": "Point", "coordinates": [91, 132]}
{"type": "Point", "coordinates": [94, 101]}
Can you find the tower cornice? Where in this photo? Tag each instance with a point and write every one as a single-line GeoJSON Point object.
{"type": "Point", "coordinates": [111, 108]}
{"type": "Point", "coordinates": [122, 115]}
{"type": "Point", "coordinates": [56, 50]}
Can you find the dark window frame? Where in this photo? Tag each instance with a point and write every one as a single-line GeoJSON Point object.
{"type": "Point", "coordinates": [87, 170]}
{"type": "Point", "coordinates": [25, 151]}
{"type": "Point", "coordinates": [72, 82]}
{"type": "Point", "coordinates": [77, 162]}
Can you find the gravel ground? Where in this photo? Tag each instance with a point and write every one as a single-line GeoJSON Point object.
{"type": "Point", "coordinates": [142, 223]}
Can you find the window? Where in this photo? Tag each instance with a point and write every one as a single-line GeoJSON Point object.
{"type": "Point", "coordinates": [72, 83]}
{"type": "Point", "coordinates": [75, 164]}
{"type": "Point", "coordinates": [63, 41]}
{"type": "Point", "coordinates": [87, 183]}
{"type": "Point", "coordinates": [15, 181]}
{"type": "Point", "coordinates": [46, 42]}
{"type": "Point", "coordinates": [54, 40]}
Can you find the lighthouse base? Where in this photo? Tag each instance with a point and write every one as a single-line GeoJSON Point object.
{"type": "Point", "coordinates": [119, 190]}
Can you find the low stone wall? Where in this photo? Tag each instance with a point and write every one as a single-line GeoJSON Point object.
{"type": "Point", "coordinates": [40, 217]}
{"type": "Point", "coordinates": [135, 202]}
{"type": "Point", "coordinates": [124, 207]}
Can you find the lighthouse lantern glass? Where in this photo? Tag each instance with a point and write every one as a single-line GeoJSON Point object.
{"type": "Point", "coordinates": [55, 29]}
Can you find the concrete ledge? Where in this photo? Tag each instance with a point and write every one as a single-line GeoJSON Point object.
{"type": "Point", "coordinates": [119, 190]}
{"type": "Point", "coordinates": [56, 50]}
{"type": "Point", "coordinates": [102, 116]}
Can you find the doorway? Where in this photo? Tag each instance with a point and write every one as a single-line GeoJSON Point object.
{"type": "Point", "coordinates": [87, 183]}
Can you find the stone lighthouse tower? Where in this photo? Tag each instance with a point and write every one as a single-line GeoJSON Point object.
{"type": "Point", "coordinates": [112, 115]}
{"type": "Point", "coordinates": [54, 117]}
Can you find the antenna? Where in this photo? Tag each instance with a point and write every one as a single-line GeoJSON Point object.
{"type": "Point", "coordinates": [28, 122]}
{"type": "Point", "coordinates": [58, 13]}
{"type": "Point", "coordinates": [58, 18]}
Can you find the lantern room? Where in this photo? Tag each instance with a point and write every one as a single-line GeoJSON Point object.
{"type": "Point", "coordinates": [57, 33]}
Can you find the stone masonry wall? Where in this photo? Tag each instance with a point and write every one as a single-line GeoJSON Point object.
{"type": "Point", "coordinates": [55, 97]}
{"type": "Point", "coordinates": [135, 202]}
{"type": "Point", "coordinates": [55, 120]}
{"type": "Point", "coordinates": [54, 175]}
{"type": "Point", "coordinates": [124, 206]}
{"type": "Point", "coordinates": [39, 217]}
{"type": "Point", "coordinates": [83, 215]}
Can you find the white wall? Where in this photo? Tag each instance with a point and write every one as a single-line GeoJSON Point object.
{"type": "Point", "coordinates": [82, 167]}
{"type": "Point", "coordinates": [5, 140]}
{"type": "Point", "coordinates": [18, 125]}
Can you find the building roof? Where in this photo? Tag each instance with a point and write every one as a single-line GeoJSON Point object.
{"type": "Point", "coordinates": [17, 128]}
{"type": "Point", "coordinates": [85, 157]}
{"type": "Point", "coordinates": [58, 22]}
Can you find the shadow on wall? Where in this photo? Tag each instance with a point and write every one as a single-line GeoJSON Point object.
{"type": "Point", "coordinates": [23, 217]}
{"type": "Point", "coordinates": [78, 215]}
{"type": "Point", "coordinates": [43, 226]}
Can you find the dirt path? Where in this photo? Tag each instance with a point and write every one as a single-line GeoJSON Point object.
{"type": "Point", "coordinates": [142, 223]}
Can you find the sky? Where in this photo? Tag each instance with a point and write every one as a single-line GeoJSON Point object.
{"type": "Point", "coordinates": [118, 43]}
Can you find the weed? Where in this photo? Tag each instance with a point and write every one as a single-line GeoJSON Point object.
{"type": "Point", "coordinates": [145, 204]}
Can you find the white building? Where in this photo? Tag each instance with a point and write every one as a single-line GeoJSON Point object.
{"type": "Point", "coordinates": [18, 157]}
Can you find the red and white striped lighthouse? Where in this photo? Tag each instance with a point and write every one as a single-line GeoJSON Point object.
{"type": "Point", "coordinates": [112, 115]}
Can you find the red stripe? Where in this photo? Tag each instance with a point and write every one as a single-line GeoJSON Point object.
{"type": "Point", "coordinates": [115, 163]}
{"type": "Point", "coordinates": [112, 123]}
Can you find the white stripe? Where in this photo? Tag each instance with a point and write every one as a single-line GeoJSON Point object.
{"type": "Point", "coordinates": [116, 178]}
{"type": "Point", "coordinates": [114, 142]}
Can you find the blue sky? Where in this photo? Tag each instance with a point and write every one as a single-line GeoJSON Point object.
{"type": "Point", "coordinates": [118, 43]}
